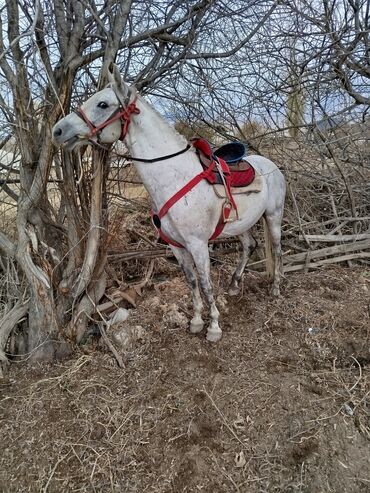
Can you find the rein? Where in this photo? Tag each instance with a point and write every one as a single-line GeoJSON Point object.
{"type": "Point", "coordinates": [161, 158]}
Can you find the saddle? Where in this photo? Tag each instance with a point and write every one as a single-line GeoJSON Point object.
{"type": "Point", "coordinates": [244, 178]}
{"type": "Point", "coordinates": [237, 172]}
{"type": "Point", "coordinates": [228, 172]}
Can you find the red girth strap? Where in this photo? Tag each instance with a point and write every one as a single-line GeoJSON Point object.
{"type": "Point", "coordinates": [178, 195]}
{"type": "Point", "coordinates": [221, 223]}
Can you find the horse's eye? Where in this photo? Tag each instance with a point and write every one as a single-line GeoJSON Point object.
{"type": "Point", "coordinates": [103, 105]}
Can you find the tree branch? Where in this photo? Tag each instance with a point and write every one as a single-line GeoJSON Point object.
{"type": "Point", "coordinates": [8, 322]}
{"type": "Point", "coordinates": [6, 245]}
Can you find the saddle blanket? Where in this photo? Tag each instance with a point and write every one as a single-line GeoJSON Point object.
{"type": "Point", "coordinates": [242, 174]}
{"type": "Point", "coordinates": [255, 186]}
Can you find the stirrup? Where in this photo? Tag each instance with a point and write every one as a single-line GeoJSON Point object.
{"type": "Point", "coordinates": [227, 217]}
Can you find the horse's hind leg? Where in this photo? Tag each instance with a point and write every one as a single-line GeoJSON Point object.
{"type": "Point", "coordinates": [200, 253]}
{"type": "Point", "coordinates": [274, 230]}
{"type": "Point", "coordinates": [186, 263]}
{"type": "Point", "coordinates": [249, 244]}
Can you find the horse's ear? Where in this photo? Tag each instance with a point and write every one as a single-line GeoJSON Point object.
{"type": "Point", "coordinates": [114, 75]}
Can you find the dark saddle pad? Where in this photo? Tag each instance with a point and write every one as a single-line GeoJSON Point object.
{"type": "Point", "coordinates": [239, 172]}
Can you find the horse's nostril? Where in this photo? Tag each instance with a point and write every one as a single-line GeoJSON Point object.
{"type": "Point", "coordinates": [58, 132]}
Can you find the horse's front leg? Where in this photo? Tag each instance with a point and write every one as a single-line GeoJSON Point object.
{"type": "Point", "coordinates": [186, 263]}
{"type": "Point", "coordinates": [200, 253]}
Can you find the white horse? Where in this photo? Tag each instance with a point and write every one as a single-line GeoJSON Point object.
{"type": "Point", "coordinates": [166, 164]}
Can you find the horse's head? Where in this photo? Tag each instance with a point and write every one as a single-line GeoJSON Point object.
{"type": "Point", "coordinates": [102, 118]}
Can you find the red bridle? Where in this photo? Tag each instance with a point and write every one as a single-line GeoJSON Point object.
{"type": "Point", "coordinates": [121, 113]}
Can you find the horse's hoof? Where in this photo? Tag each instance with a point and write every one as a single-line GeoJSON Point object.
{"type": "Point", "coordinates": [214, 336]}
{"type": "Point", "coordinates": [196, 327]}
{"type": "Point", "coordinates": [233, 291]}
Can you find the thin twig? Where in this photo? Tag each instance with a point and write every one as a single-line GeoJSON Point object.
{"type": "Point", "coordinates": [223, 418]}
{"type": "Point", "coordinates": [110, 345]}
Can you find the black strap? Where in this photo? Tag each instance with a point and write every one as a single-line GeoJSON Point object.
{"type": "Point", "coordinates": [161, 158]}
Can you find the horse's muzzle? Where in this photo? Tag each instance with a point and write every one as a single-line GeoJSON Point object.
{"type": "Point", "coordinates": [57, 135]}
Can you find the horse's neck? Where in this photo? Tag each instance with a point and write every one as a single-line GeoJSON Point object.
{"type": "Point", "coordinates": [148, 133]}
{"type": "Point", "coordinates": [149, 137]}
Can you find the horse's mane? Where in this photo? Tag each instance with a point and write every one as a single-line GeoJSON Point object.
{"type": "Point", "coordinates": [165, 123]}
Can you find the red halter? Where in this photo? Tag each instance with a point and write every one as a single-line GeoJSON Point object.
{"type": "Point", "coordinates": [121, 113]}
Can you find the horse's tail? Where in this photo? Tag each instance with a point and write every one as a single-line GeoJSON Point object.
{"type": "Point", "coordinates": [270, 263]}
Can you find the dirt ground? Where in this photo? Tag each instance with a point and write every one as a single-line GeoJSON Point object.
{"type": "Point", "coordinates": [280, 404]}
